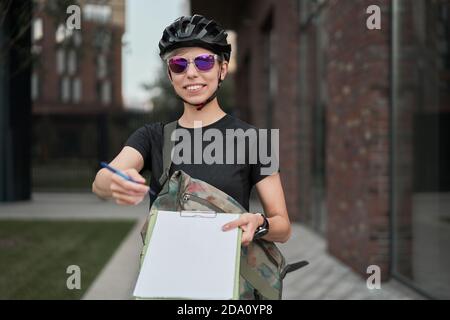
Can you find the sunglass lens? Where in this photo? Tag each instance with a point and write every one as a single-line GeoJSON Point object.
{"type": "Point", "coordinates": [204, 62]}
{"type": "Point", "coordinates": [178, 65]}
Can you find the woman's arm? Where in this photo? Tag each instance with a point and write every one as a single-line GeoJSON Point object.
{"type": "Point", "coordinates": [109, 185]}
{"type": "Point", "coordinates": [271, 194]}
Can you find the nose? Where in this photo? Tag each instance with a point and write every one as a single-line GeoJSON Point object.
{"type": "Point", "coordinates": [191, 71]}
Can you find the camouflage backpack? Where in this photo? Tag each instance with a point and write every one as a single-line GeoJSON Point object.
{"type": "Point", "coordinates": [262, 266]}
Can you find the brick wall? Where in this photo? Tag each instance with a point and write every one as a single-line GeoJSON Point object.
{"type": "Point", "coordinates": [252, 94]}
{"type": "Point", "coordinates": [352, 77]}
{"type": "Point", "coordinates": [358, 81]}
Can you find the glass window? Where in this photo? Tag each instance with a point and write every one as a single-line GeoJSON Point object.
{"type": "Point", "coordinates": [72, 62]}
{"type": "Point", "coordinates": [97, 13]}
{"type": "Point", "coordinates": [106, 92]}
{"type": "Point", "coordinates": [421, 145]}
{"type": "Point", "coordinates": [62, 33]}
{"type": "Point", "coordinates": [102, 67]}
{"type": "Point", "coordinates": [77, 38]}
{"type": "Point", "coordinates": [60, 61]}
{"type": "Point", "coordinates": [76, 90]}
{"type": "Point", "coordinates": [38, 29]}
{"type": "Point", "coordinates": [313, 45]}
{"type": "Point", "coordinates": [34, 86]}
{"type": "Point", "coordinates": [102, 39]}
{"type": "Point", "coordinates": [65, 89]}
{"type": "Point", "coordinates": [309, 9]}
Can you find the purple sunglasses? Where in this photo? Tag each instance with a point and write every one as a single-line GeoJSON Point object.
{"type": "Point", "coordinates": [203, 62]}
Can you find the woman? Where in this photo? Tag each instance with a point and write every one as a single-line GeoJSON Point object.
{"type": "Point", "coordinates": [197, 55]}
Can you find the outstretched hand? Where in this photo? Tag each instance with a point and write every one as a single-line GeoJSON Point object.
{"type": "Point", "coordinates": [126, 192]}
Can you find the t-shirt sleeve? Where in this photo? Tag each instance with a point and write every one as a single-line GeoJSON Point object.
{"type": "Point", "coordinates": [140, 140]}
{"type": "Point", "coordinates": [268, 160]}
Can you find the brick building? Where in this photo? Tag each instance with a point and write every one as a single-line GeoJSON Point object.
{"type": "Point", "coordinates": [363, 118]}
{"type": "Point", "coordinates": [78, 71]}
{"type": "Point", "coordinates": [76, 86]}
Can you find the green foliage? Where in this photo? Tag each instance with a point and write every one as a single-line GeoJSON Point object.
{"type": "Point", "coordinates": [166, 105]}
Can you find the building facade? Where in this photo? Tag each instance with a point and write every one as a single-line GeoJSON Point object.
{"type": "Point", "coordinates": [77, 71]}
{"type": "Point", "coordinates": [363, 118]}
{"type": "Point", "coordinates": [76, 85]}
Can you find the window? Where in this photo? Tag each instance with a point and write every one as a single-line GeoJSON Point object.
{"type": "Point", "coordinates": [312, 95]}
{"type": "Point", "coordinates": [38, 29]}
{"type": "Point", "coordinates": [76, 90]}
{"type": "Point", "coordinates": [77, 38]}
{"type": "Point", "coordinates": [420, 146]}
{"type": "Point", "coordinates": [97, 13]}
{"type": "Point", "coordinates": [309, 9]}
{"type": "Point", "coordinates": [106, 92]}
{"type": "Point", "coordinates": [72, 62]}
{"type": "Point", "coordinates": [65, 89]}
{"type": "Point", "coordinates": [60, 61]}
{"type": "Point", "coordinates": [102, 39]}
{"type": "Point", "coordinates": [101, 66]}
{"type": "Point", "coordinates": [62, 33]}
{"type": "Point", "coordinates": [34, 86]}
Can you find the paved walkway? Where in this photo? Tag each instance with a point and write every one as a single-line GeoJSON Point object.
{"type": "Point", "coordinates": [69, 206]}
{"type": "Point", "coordinates": [324, 278]}
{"type": "Point", "coordinates": [328, 278]}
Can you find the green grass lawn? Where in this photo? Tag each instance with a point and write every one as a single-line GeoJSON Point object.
{"type": "Point", "coordinates": [34, 255]}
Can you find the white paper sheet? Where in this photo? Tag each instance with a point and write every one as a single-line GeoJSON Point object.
{"type": "Point", "coordinates": [189, 257]}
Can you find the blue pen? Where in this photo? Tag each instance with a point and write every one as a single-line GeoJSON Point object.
{"type": "Point", "coordinates": [118, 172]}
{"type": "Point", "coordinates": [123, 175]}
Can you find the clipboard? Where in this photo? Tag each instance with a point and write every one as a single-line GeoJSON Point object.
{"type": "Point", "coordinates": [188, 256]}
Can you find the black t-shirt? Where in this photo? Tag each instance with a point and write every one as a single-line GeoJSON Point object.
{"type": "Point", "coordinates": [234, 179]}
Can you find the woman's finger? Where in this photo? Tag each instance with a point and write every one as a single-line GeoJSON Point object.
{"type": "Point", "coordinates": [232, 225]}
{"type": "Point", "coordinates": [128, 185]}
{"type": "Point", "coordinates": [136, 187]}
{"type": "Point", "coordinates": [117, 188]}
{"type": "Point", "coordinates": [123, 203]}
{"type": "Point", "coordinates": [135, 175]}
{"type": "Point", "coordinates": [243, 220]}
{"type": "Point", "coordinates": [247, 237]}
{"type": "Point", "coordinates": [127, 199]}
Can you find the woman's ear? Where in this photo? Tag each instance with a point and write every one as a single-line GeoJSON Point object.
{"type": "Point", "coordinates": [224, 70]}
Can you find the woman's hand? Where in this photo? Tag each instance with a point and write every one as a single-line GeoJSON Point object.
{"type": "Point", "coordinates": [248, 222]}
{"type": "Point", "coordinates": [126, 192]}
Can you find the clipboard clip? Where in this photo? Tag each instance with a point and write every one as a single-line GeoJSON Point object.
{"type": "Point", "coordinates": [201, 214]}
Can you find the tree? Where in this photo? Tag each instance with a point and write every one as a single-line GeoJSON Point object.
{"type": "Point", "coordinates": [166, 105]}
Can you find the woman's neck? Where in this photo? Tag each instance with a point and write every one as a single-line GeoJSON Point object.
{"type": "Point", "coordinates": [207, 115]}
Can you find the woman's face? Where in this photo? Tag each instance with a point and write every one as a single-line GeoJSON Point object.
{"type": "Point", "coordinates": [192, 85]}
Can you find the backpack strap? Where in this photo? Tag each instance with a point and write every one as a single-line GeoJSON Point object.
{"type": "Point", "coordinates": [167, 151]}
{"type": "Point", "coordinates": [292, 267]}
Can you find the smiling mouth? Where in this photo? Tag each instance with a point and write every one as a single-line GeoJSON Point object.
{"type": "Point", "coordinates": [194, 87]}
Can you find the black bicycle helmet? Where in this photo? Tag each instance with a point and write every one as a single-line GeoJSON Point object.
{"type": "Point", "coordinates": [195, 31]}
